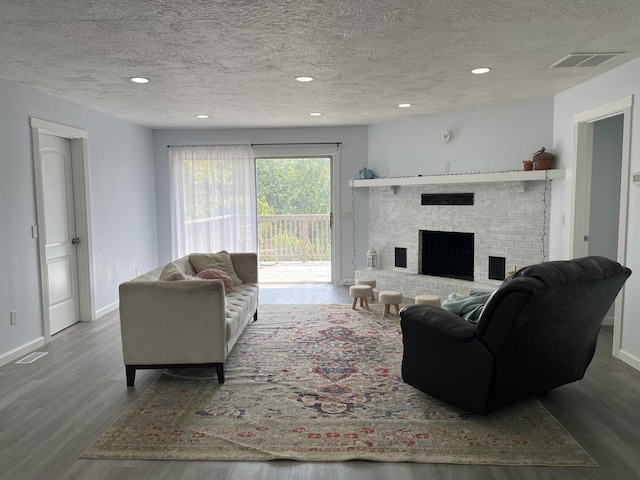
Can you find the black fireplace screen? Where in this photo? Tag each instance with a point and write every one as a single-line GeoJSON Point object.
{"type": "Point", "coordinates": [446, 254]}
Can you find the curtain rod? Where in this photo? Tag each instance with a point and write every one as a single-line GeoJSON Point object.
{"type": "Point", "coordinates": [297, 143]}
{"type": "Point", "coordinates": [337, 144]}
{"type": "Point", "coordinates": [210, 145]}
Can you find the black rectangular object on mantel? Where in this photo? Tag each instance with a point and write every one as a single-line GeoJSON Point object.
{"type": "Point", "coordinates": [447, 199]}
{"type": "Point", "coordinates": [497, 268]}
{"type": "Point", "coordinates": [401, 257]}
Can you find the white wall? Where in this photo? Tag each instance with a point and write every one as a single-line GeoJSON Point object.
{"type": "Point", "coordinates": [485, 140]}
{"type": "Point", "coordinates": [614, 85]}
{"type": "Point", "coordinates": [120, 157]}
{"type": "Point", "coordinates": [353, 156]}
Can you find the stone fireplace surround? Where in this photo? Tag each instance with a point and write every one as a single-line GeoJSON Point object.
{"type": "Point", "coordinates": [508, 219]}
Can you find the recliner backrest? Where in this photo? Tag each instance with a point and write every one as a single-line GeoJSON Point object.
{"type": "Point", "coordinates": [542, 325]}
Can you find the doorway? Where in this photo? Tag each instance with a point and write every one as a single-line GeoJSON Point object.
{"type": "Point", "coordinates": [63, 227]}
{"type": "Point", "coordinates": [331, 153]}
{"type": "Point", "coordinates": [604, 209]}
{"type": "Point", "coordinates": [587, 187]}
{"type": "Point", "coordinates": [294, 219]}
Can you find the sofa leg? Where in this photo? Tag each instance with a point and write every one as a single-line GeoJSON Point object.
{"type": "Point", "coordinates": [131, 375]}
{"type": "Point", "coordinates": [255, 316]}
{"type": "Point", "coordinates": [220, 372]}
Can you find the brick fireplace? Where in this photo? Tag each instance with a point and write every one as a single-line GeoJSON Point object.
{"type": "Point", "coordinates": [509, 222]}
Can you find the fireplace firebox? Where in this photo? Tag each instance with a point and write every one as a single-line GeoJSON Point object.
{"type": "Point", "coordinates": [446, 254]}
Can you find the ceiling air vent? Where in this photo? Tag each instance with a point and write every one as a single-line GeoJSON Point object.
{"type": "Point", "coordinates": [584, 59]}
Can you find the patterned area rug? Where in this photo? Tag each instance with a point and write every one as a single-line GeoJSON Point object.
{"type": "Point", "coordinates": [322, 383]}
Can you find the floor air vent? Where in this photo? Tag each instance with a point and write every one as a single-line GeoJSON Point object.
{"type": "Point", "coordinates": [32, 357]}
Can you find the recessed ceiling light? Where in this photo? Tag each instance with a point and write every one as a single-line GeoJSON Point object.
{"type": "Point", "coordinates": [315, 114]}
{"type": "Point", "coordinates": [481, 70]}
{"type": "Point", "coordinates": [139, 80]}
{"type": "Point", "coordinates": [404, 105]}
{"type": "Point", "coordinates": [202, 116]}
{"type": "Point", "coordinates": [304, 79]}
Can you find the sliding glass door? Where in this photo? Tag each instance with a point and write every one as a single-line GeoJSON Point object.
{"type": "Point", "coordinates": [294, 219]}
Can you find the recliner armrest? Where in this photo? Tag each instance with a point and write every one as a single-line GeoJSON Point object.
{"type": "Point", "coordinates": [429, 318]}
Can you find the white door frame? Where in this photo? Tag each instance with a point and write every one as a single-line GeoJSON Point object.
{"type": "Point", "coordinates": [581, 190]}
{"type": "Point", "coordinates": [331, 150]}
{"type": "Point", "coordinates": [79, 163]}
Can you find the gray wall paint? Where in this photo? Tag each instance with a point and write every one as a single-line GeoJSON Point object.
{"type": "Point", "coordinates": [122, 205]}
{"type": "Point", "coordinates": [605, 191]}
{"type": "Point", "coordinates": [353, 156]}
{"type": "Point", "coordinates": [605, 187]}
{"type": "Point", "coordinates": [486, 140]}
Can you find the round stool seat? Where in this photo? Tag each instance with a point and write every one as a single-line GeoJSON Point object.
{"type": "Point", "coordinates": [367, 281]}
{"type": "Point", "coordinates": [360, 292]}
{"type": "Point", "coordinates": [428, 300]}
{"type": "Point", "coordinates": [388, 298]}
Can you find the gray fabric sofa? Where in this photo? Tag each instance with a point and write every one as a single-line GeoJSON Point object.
{"type": "Point", "coordinates": [185, 323]}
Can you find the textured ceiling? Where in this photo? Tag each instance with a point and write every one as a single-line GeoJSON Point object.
{"type": "Point", "coordinates": [236, 59]}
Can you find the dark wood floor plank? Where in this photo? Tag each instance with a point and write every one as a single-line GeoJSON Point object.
{"type": "Point", "coordinates": [53, 409]}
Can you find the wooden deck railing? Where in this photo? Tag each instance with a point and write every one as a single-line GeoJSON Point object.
{"type": "Point", "coordinates": [283, 238]}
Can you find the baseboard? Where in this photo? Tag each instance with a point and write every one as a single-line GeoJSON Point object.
{"type": "Point", "coordinates": [630, 359]}
{"type": "Point", "coordinates": [106, 311]}
{"type": "Point", "coordinates": [16, 353]}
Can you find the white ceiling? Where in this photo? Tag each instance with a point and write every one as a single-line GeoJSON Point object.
{"type": "Point", "coordinates": [236, 59]}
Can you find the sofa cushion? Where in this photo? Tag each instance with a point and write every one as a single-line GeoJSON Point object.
{"type": "Point", "coordinates": [215, 274]}
{"type": "Point", "coordinates": [215, 261]}
{"type": "Point", "coordinates": [172, 272]}
{"type": "Point", "coordinates": [240, 305]}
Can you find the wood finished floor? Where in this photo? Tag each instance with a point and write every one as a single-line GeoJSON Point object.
{"type": "Point", "coordinates": [53, 409]}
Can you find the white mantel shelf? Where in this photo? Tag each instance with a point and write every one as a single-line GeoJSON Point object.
{"type": "Point", "coordinates": [514, 176]}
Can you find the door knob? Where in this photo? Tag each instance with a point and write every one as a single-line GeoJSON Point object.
{"type": "Point", "coordinates": [75, 241]}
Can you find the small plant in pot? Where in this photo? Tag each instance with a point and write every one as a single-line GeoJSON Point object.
{"type": "Point", "coordinates": [543, 160]}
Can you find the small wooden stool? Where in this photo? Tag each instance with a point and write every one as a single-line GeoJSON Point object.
{"type": "Point", "coordinates": [361, 292]}
{"type": "Point", "coordinates": [428, 300]}
{"type": "Point", "coordinates": [388, 298]}
{"type": "Point", "coordinates": [367, 281]}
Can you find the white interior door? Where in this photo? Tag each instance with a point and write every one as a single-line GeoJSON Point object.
{"type": "Point", "coordinates": [60, 232]}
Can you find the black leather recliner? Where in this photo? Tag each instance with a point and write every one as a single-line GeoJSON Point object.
{"type": "Point", "coordinates": [538, 331]}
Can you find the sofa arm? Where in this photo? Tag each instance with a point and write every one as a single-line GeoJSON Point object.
{"type": "Point", "coordinates": [436, 321]}
{"type": "Point", "coordinates": [246, 266]}
{"type": "Point", "coordinates": [178, 322]}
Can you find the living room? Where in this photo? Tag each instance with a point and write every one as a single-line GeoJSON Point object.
{"type": "Point", "coordinates": [133, 197]}
{"type": "Point", "coordinates": [129, 186]}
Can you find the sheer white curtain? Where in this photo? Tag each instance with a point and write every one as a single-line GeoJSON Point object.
{"type": "Point", "coordinates": [213, 199]}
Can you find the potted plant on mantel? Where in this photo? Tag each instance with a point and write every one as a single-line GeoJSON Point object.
{"type": "Point", "coordinates": [543, 160]}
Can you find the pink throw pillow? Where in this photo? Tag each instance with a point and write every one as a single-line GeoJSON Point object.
{"type": "Point", "coordinates": [214, 274]}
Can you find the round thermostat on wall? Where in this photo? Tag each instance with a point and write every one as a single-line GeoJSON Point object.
{"type": "Point", "coordinates": [445, 136]}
